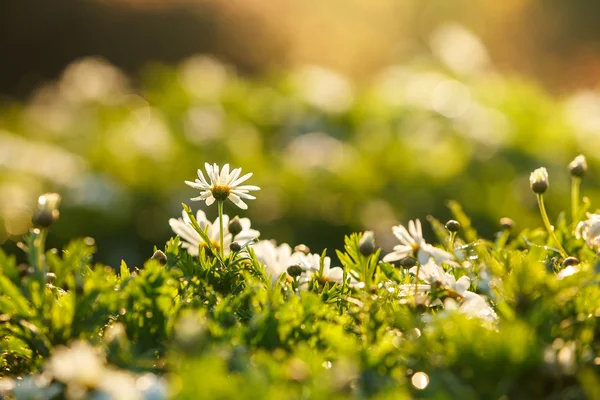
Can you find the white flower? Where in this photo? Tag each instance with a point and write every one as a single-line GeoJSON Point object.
{"type": "Point", "coordinates": [589, 230]}
{"type": "Point", "coordinates": [191, 239]}
{"type": "Point", "coordinates": [311, 263]}
{"type": "Point", "coordinates": [118, 385]}
{"type": "Point", "coordinates": [223, 185]}
{"type": "Point", "coordinates": [412, 240]}
{"type": "Point", "coordinates": [79, 365]}
{"type": "Point", "coordinates": [471, 303]}
{"type": "Point", "coordinates": [476, 306]}
{"type": "Point", "coordinates": [433, 273]}
{"type": "Point", "coordinates": [277, 259]}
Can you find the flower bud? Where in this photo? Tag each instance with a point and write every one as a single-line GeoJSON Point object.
{"type": "Point", "coordinates": [294, 271]}
{"type": "Point", "coordinates": [538, 180]}
{"type": "Point", "coordinates": [235, 247]}
{"type": "Point", "coordinates": [47, 210]}
{"type": "Point", "coordinates": [235, 226]}
{"type": "Point", "coordinates": [367, 245]}
{"type": "Point", "coordinates": [302, 248]}
{"type": "Point", "coordinates": [408, 262]}
{"type": "Point", "coordinates": [578, 167]}
{"type": "Point", "coordinates": [160, 257]}
{"type": "Point", "coordinates": [453, 226]}
{"type": "Point", "coordinates": [570, 261]}
{"type": "Point", "coordinates": [507, 223]}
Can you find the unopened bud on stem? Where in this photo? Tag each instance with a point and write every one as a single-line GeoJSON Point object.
{"type": "Point", "coordinates": [578, 167]}
{"type": "Point", "coordinates": [235, 226]}
{"type": "Point", "coordinates": [538, 181]}
{"type": "Point", "coordinates": [47, 212]}
{"type": "Point", "coordinates": [367, 245]}
{"type": "Point", "coordinates": [453, 226]}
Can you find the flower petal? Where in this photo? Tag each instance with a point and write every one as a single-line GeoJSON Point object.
{"type": "Point", "coordinates": [237, 201]}
{"type": "Point", "coordinates": [240, 180]}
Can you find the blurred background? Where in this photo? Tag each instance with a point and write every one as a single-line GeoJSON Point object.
{"type": "Point", "coordinates": [352, 115]}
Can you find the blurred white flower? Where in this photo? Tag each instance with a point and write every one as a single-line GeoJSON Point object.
{"type": "Point", "coordinates": [191, 240]}
{"type": "Point", "coordinates": [324, 89]}
{"type": "Point", "coordinates": [203, 77]}
{"type": "Point", "coordinates": [277, 259]}
{"type": "Point", "coordinates": [470, 303]}
{"type": "Point", "coordinates": [223, 185]}
{"type": "Point", "coordinates": [434, 274]}
{"type": "Point", "coordinates": [79, 365]}
{"type": "Point", "coordinates": [459, 49]}
{"type": "Point", "coordinates": [476, 306]}
{"type": "Point", "coordinates": [93, 79]}
{"type": "Point", "coordinates": [311, 264]}
{"type": "Point", "coordinates": [118, 385]}
{"type": "Point", "coordinates": [412, 240]}
{"type": "Point", "coordinates": [319, 150]}
{"type": "Point", "coordinates": [589, 230]}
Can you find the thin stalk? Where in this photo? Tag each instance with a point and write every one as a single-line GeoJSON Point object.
{"type": "Point", "coordinates": [417, 280]}
{"type": "Point", "coordinates": [451, 242]}
{"type": "Point", "coordinates": [575, 185]}
{"type": "Point", "coordinates": [548, 226]}
{"type": "Point", "coordinates": [221, 240]}
{"type": "Point", "coordinates": [40, 253]}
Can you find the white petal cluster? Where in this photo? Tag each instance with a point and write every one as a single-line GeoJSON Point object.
{"type": "Point", "coordinates": [191, 240]}
{"type": "Point", "coordinates": [222, 185]}
{"type": "Point", "coordinates": [589, 230]}
{"type": "Point", "coordinates": [277, 259]}
{"type": "Point", "coordinates": [471, 304]}
{"type": "Point", "coordinates": [82, 368]}
{"type": "Point", "coordinates": [411, 240]}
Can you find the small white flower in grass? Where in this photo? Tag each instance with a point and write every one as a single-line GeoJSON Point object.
{"type": "Point", "coordinates": [471, 304]}
{"type": "Point", "coordinates": [412, 241]}
{"type": "Point", "coordinates": [191, 240]}
{"type": "Point", "coordinates": [589, 230]}
{"type": "Point", "coordinates": [311, 263]}
{"type": "Point", "coordinates": [79, 365]}
{"type": "Point", "coordinates": [277, 259]}
{"type": "Point", "coordinates": [222, 185]}
{"type": "Point", "coordinates": [433, 273]}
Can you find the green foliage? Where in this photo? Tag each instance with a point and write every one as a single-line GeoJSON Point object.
{"type": "Point", "coordinates": [212, 326]}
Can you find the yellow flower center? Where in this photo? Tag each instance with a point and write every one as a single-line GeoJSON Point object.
{"type": "Point", "coordinates": [221, 193]}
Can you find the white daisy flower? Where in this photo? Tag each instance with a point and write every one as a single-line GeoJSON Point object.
{"type": "Point", "coordinates": [589, 230]}
{"type": "Point", "coordinates": [434, 274]}
{"type": "Point", "coordinates": [191, 240]}
{"type": "Point", "coordinates": [311, 264]}
{"type": "Point", "coordinates": [412, 240]}
{"type": "Point", "coordinates": [222, 185]}
{"type": "Point", "coordinates": [276, 258]}
{"type": "Point", "coordinates": [471, 304]}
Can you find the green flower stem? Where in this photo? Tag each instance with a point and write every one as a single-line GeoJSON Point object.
{"type": "Point", "coordinates": [548, 226]}
{"type": "Point", "coordinates": [221, 240]}
{"type": "Point", "coordinates": [451, 242]}
{"type": "Point", "coordinates": [575, 184]}
{"type": "Point", "coordinates": [39, 244]}
{"type": "Point", "coordinates": [417, 280]}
